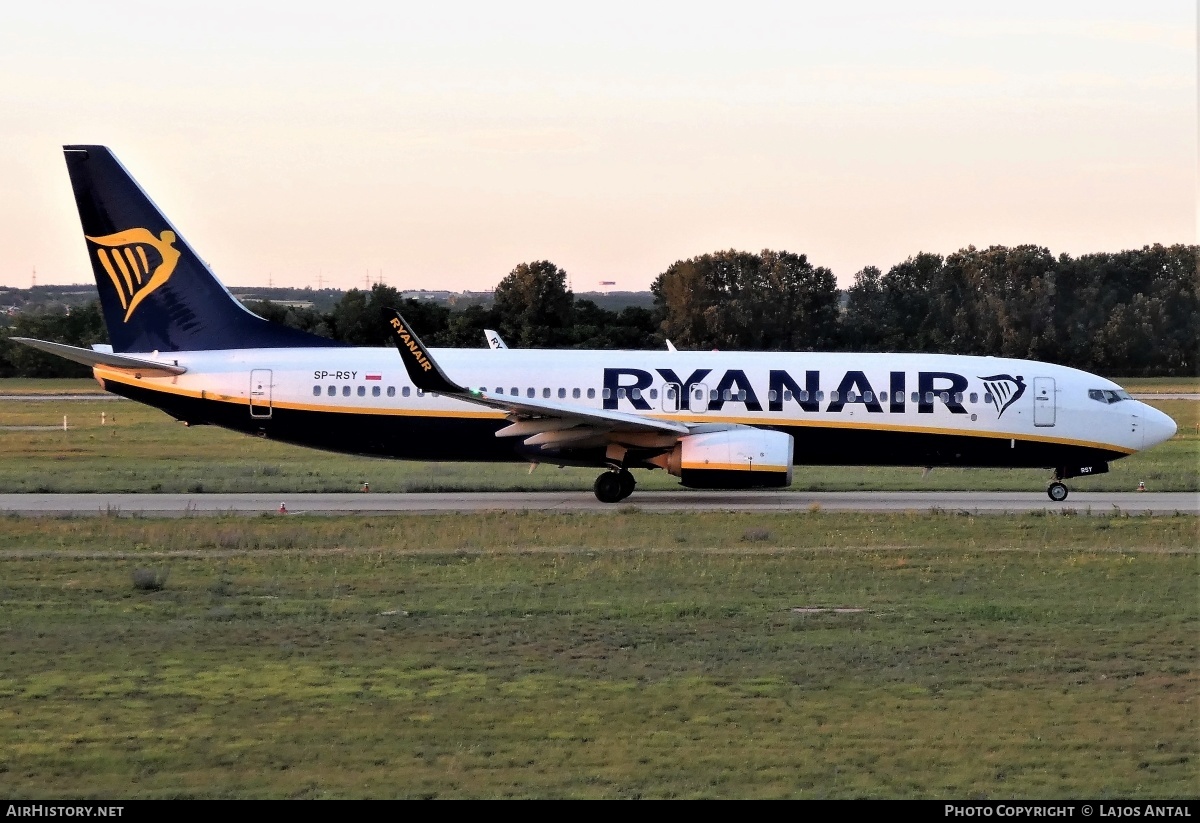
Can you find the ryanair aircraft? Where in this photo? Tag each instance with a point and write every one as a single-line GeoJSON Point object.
{"type": "Point", "coordinates": [182, 343]}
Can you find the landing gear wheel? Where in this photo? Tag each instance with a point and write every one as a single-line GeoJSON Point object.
{"type": "Point", "coordinates": [627, 483]}
{"type": "Point", "coordinates": [1057, 492]}
{"type": "Point", "coordinates": [608, 487]}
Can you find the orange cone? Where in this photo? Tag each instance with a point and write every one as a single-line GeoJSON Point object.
{"type": "Point", "coordinates": [282, 508]}
{"type": "Point", "coordinates": [366, 487]}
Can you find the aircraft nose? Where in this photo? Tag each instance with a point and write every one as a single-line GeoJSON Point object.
{"type": "Point", "coordinates": [1156, 427]}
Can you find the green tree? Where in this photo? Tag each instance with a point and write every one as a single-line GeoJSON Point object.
{"type": "Point", "coordinates": [533, 305]}
{"type": "Point", "coordinates": [357, 318]}
{"type": "Point", "coordinates": [80, 326]}
{"type": "Point", "coordinates": [735, 299]}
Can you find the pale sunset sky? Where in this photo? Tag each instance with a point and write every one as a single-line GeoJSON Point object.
{"type": "Point", "coordinates": [443, 143]}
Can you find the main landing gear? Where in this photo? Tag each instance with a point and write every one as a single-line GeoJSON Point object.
{"type": "Point", "coordinates": [614, 486]}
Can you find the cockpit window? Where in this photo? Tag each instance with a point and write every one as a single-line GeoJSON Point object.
{"type": "Point", "coordinates": [1108, 395]}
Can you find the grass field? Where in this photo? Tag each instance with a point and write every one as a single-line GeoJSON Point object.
{"type": "Point", "coordinates": [624, 655]}
{"type": "Point", "coordinates": [139, 449]}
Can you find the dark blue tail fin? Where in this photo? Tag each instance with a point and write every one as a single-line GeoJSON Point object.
{"type": "Point", "coordinates": [156, 294]}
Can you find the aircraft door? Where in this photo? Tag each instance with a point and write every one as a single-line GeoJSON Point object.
{"type": "Point", "coordinates": [260, 393]}
{"type": "Point", "coordinates": [698, 397]}
{"type": "Point", "coordinates": [670, 397]}
{"type": "Point", "coordinates": [1044, 401]}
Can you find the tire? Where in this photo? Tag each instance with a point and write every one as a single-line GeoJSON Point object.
{"type": "Point", "coordinates": [1057, 492]}
{"type": "Point", "coordinates": [627, 483]}
{"type": "Point", "coordinates": [608, 487]}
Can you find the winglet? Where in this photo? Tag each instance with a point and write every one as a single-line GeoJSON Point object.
{"type": "Point", "coordinates": [422, 370]}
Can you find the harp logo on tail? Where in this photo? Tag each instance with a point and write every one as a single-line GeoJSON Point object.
{"type": "Point", "coordinates": [137, 262]}
{"type": "Point", "coordinates": [1004, 389]}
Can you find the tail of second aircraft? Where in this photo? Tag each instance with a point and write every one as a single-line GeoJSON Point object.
{"type": "Point", "coordinates": [155, 292]}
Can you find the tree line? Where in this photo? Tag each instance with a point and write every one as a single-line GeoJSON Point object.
{"type": "Point", "coordinates": [1134, 312]}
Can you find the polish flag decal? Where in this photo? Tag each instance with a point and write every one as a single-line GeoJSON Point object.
{"type": "Point", "coordinates": [374, 376]}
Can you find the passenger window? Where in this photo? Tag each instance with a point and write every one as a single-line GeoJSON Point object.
{"type": "Point", "coordinates": [869, 397]}
{"type": "Point", "coordinates": [987, 397]}
{"type": "Point", "coordinates": [654, 394]}
{"type": "Point", "coordinates": [803, 395]}
{"type": "Point", "coordinates": [712, 395]}
{"type": "Point", "coordinates": [575, 393]}
{"type": "Point", "coordinates": [928, 397]}
{"type": "Point", "coordinates": [316, 391]}
{"type": "Point", "coordinates": [974, 397]}
{"type": "Point", "coordinates": [515, 391]}
{"type": "Point", "coordinates": [742, 396]}
{"type": "Point", "coordinates": [725, 395]}
{"type": "Point", "coordinates": [821, 396]}
{"type": "Point", "coordinates": [621, 394]}
{"type": "Point", "coordinates": [374, 391]}
{"type": "Point", "coordinates": [406, 391]}
{"type": "Point", "coordinates": [362, 391]}
{"type": "Point", "coordinates": [392, 391]}
{"type": "Point", "coordinates": [945, 396]}
{"type": "Point", "coordinates": [958, 397]}
{"type": "Point", "coordinates": [529, 392]}
{"type": "Point", "coordinates": [787, 394]}
{"type": "Point", "coordinates": [899, 397]}
{"type": "Point", "coordinates": [420, 392]}
{"type": "Point", "coordinates": [833, 397]}
{"type": "Point", "coordinates": [562, 393]}
{"type": "Point", "coordinates": [545, 392]}
{"type": "Point", "coordinates": [607, 394]}
{"type": "Point", "coordinates": [851, 397]}
{"type": "Point", "coordinates": [636, 394]}
{"type": "Point", "coordinates": [331, 390]}
{"type": "Point", "coordinates": [916, 398]}
{"type": "Point", "coordinates": [345, 391]}
{"type": "Point", "coordinates": [591, 394]}
{"type": "Point", "coordinates": [771, 395]}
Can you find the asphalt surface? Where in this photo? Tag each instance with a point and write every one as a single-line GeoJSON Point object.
{"type": "Point", "coordinates": [184, 505]}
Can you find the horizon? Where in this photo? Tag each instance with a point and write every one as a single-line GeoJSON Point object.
{"type": "Point", "coordinates": [438, 148]}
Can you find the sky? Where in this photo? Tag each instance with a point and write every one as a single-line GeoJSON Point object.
{"type": "Point", "coordinates": [438, 145]}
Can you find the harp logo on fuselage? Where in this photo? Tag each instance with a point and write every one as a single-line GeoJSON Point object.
{"type": "Point", "coordinates": [136, 262]}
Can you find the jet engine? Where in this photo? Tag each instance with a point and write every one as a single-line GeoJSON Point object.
{"type": "Point", "coordinates": [742, 458]}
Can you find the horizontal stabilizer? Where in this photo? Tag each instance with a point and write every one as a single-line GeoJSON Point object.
{"type": "Point", "coordinates": [91, 357]}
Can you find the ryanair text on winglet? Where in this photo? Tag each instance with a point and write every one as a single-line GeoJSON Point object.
{"type": "Point", "coordinates": [403, 334]}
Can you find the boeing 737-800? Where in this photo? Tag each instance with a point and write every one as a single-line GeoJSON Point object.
{"type": "Point", "coordinates": [722, 419]}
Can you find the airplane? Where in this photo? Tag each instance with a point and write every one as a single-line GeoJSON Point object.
{"type": "Point", "coordinates": [180, 342]}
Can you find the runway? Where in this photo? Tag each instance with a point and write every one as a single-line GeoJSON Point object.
{"type": "Point", "coordinates": [186, 505]}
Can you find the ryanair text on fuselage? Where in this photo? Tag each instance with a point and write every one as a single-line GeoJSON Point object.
{"type": "Point", "coordinates": [733, 386]}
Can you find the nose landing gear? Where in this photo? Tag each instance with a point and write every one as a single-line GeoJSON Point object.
{"type": "Point", "coordinates": [614, 486]}
{"type": "Point", "coordinates": [1057, 491]}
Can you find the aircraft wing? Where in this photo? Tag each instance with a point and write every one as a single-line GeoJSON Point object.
{"type": "Point", "coordinates": [543, 421]}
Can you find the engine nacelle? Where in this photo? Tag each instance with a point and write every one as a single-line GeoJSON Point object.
{"type": "Point", "coordinates": [732, 459]}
